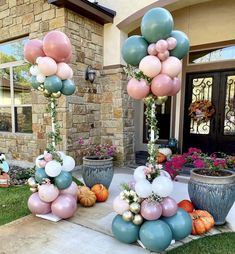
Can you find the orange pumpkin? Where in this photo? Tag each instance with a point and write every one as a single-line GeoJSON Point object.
{"type": "Point", "coordinates": [160, 157]}
{"type": "Point", "coordinates": [4, 180]}
{"type": "Point", "coordinates": [186, 205]}
{"type": "Point", "coordinates": [202, 222]}
{"type": "Point", "coordinates": [101, 192]}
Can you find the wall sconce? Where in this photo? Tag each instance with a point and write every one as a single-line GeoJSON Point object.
{"type": "Point", "coordinates": [90, 74]}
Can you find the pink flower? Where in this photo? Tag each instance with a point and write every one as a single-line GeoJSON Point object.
{"type": "Point", "coordinates": [199, 163]}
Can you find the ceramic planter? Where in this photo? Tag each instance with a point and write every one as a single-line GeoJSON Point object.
{"type": "Point", "coordinates": [213, 194]}
{"type": "Point", "coordinates": [4, 180]}
{"type": "Point", "coordinates": [97, 170]}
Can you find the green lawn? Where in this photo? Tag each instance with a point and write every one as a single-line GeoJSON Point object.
{"type": "Point", "coordinates": [217, 244]}
{"type": "Point", "coordinates": [13, 203]}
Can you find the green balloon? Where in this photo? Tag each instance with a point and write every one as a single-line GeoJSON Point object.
{"type": "Point", "coordinates": [125, 231]}
{"type": "Point", "coordinates": [68, 87]}
{"type": "Point", "coordinates": [156, 24]}
{"type": "Point", "coordinates": [34, 82]}
{"type": "Point", "coordinates": [63, 180]}
{"type": "Point", "coordinates": [180, 224]}
{"type": "Point", "coordinates": [134, 49]}
{"type": "Point", "coordinates": [53, 84]}
{"type": "Point", "coordinates": [155, 235]}
{"type": "Point", "coordinates": [40, 175]}
{"type": "Point", "coordinates": [182, 46]}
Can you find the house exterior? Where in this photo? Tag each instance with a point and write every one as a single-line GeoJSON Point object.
{"type": "Point", "coordinates": [102, 110]}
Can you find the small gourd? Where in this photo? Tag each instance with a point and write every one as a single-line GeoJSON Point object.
{"type": "Point", "coordinates": [87, 198]}
{"type": "Point", "coordinates": [101, 192]}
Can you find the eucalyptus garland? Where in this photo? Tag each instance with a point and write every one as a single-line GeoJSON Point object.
{"type": "Point", "coordinates": [133, 72]}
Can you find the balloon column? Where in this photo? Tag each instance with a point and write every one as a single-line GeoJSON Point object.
{"type": "Point", "coordinates": [4, 169]}
{"type": "Point", "coordinates": [144, 207]}
{"type": "Point", "coordinates": [52, 186]}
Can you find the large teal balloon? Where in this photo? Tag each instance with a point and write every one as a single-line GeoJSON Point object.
{"type": "Point", "coordinates": [134, 49]}
{"type": "Point", "coordinates": [63, 180]}
{"type": "Point", "coordinates": [182, 46]}
{"type": "Point", "coordinates": [125, 231]}
{"type": "Point", "coordinates": [35, 84]}
{"type": "Point", "coordinates": [40, 175]}
{"type": "Point", "coordinates": [180, 224]}
{"type": "Point", "coordinates": [68, 87]}
{"type": "Point", "coordinates": [155, 235]}
{"type": "Point", "coordinates": [53, 84]}
{"type": "Point", "coordinates": [156, 24]}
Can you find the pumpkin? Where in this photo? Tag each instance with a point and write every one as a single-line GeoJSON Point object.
{"type": "Point", "coordinates": [82, 189]}
{"type": "Point", "coordinates": [166, 151]}
{"type": "Point", "coordinates": [101, 192]}
{"type": "Point", "coordinates": [186, 205]}
{"type": "Point", "coordinates": [160, 157]}
{"type": "Point", "coordinates": [202, 222]}
{"type": "Point", "coordinates": [87, 198]}
{"type": "Point", "coordinates": [4, 180]}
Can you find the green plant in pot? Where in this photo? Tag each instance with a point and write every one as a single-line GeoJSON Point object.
{"type": "Point", "coordinates": [97, 162]}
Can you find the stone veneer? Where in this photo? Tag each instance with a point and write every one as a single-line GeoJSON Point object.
{"type": "Point", "coordinates": [101, 111]}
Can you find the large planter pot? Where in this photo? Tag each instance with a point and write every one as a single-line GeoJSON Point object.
{"type": "Point", "coordinates": [97, 170]}
{"type": "Point", "coordinates": [4, 180]}
{"type": "Point", "coordinates": [215, 194]}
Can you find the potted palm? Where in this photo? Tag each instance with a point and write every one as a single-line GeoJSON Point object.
{"type": "Point", "coordinates": [97, 165]}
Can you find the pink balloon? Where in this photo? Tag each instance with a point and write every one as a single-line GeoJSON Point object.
{"type": "Point", "coordinates": [68, 59]}
{"type": "Point", "coordinates": [72, 190]}
{"type": "Point", "coordinates": [120, 205]}
{"type": "Point", "coordinates": [64, 206]}
{"type": "Point", "coordinates": [63, 71]}
{"type": "Point", "coordinates": [33, 49]}
{"type": "Point", "coordinates": [172, 42]}
{"type": "Point", "coordinates": [150, 66]}
{"type": "Point", "coordinates": [175, 87]}
{"type": "Point", "coordinates": [48, 192]}
{"type": "Point", "coordinates": [37, 206]}
{"type": "Point", "coordinates": [42, 163]}
{"type": "Point", "coordinates": [161, 85]}
{"type": "Point", "coordinates": [172, 66]}
{"type": "Point", "coordinates": [169, 207]}
{"type": "Point", "coordinates": [71, 74]}
{"type": "Point", "coordinates": [57, 46]}
{"type": "Point", "coordinates": [163, 56]}
{"type": "Point", "coordinates": [152, 49]}
{"type": "Point", "coordinates": [161, 46]}
{"type": "Point", "coordinates": [138, 89]}
{"type": "Point", "coordinates": [47, 66]}
{"type": "Point", "coordinates": [48, 157]}
{"type": "Point", "coordinates": [150, 210]}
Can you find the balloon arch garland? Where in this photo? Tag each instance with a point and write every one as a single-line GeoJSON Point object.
{"type": "Point", "coordinates": [54, 192]}
{"type": "Point", "coordinates": [146, 212]}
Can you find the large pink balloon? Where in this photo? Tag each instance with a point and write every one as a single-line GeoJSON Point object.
{"type": "Point", "coordinates": [169, 207]}
{"type": "Point", "coordinates": [47, 66]}
{"type": "Point", "coordinates": [68, 59]}
{"type": "Point", "coordinates": [172, 42]}
{"type": "Point", "coordinates": [161, 85]}
{"type": "Point", "coordinates": [32, 50]}
{"type": "Point", "coordinates": [120, 205]}
{"type": "Point", "coordinates": [152, 49]}
{"type": "Point", "coordinates": [138, 89]}
{"type": "Point", "coordinates": [175, 87]}
{"type": "Point", "coordinates": [72, 190]}
{"type": "Point", "coordinates": [63, 71]}
{"type": "Point", "coordinates": [64, 206]}
{"type": "Point", "coordinates": [150, 210]}
{"type": "Point", "coordinates": [172, 66]}
{"type": "Point", "coordinates": [150, 66]}
{"type": "Point", "coordinates": [161, 46]}
{"type": "Point", "coordinates": [48, 192]}
{"type": "Point", "coordinates": [57, 46]}
{"type": "Point", "coordinates": [37, 206]}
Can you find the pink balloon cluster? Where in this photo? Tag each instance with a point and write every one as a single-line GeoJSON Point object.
{"type": "Point", "coordinates": [161, 68]}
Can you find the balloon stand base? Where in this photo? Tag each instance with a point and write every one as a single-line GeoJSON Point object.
{"type": "Point", "coordinates": [49, 216]}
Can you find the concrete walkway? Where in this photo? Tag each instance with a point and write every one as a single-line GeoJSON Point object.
{"type": "Point", "coordinates": [89, 231]}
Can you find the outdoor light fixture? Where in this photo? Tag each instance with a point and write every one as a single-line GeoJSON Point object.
{"type": "Point", "coordinates": [90, 74]}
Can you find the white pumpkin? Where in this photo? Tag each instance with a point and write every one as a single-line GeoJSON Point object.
{"type": "Point", "coordinates": [166, 151]}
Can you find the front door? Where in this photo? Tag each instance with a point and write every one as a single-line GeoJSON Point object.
{"type": "Point", "coordinates": [217, 132]}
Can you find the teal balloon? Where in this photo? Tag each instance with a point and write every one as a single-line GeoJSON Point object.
{"type": "Point", "coordinates": [182, 46]}
{"type": "Point", "coordinates": [125, 231]}
{"type": "Point", "coordinates": [156, 24]}
{"type": "Point", "coordinates": [68, 87]}
{"type": "Point", "coordinates": [40, 175]}
{"type": "Point", "coordinates": [63, 180]}
{"type": "Point", "coordinates": [155, 235]}
{"type": "Point", "coordinates": [35, 84]}
{"type": "Point", "coordinates": [180, 224]}
{"type": "Point", "coordinates": [134, 49]}
{"type": "Point", "coordinates": [4, 166]}
{"type": "Point", "coordinates": [53, 84]}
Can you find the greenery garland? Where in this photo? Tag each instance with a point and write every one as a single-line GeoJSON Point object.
{"type": "Point", "coordinates": [133, 72]}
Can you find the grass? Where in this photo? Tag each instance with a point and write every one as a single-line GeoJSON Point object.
{"type": "Point", "coordinates": [13, 203]}
{"type": "Point", "coordinates": [217, 244]}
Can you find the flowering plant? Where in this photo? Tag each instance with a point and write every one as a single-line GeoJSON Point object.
{"type": "Point", "coordinates": [151, 172]}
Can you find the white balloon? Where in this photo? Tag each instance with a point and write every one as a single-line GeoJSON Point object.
{"type": "Point", "coordinates": [34, 70]}
{"type": "Point", "coordinates": [61, 154]}
{"type": "Point", "coordinates": [164, 173]}
{"type": "Point", "coordinates": [139, 173]}
{"type": "Point", "coordinates": [40, 78]}
{"type": "Point", "coordinates": [38, 59]}
{"type": "Point", "coordinates": [162, 186]}
{"type": "Point", "coordinates": [53, 168]}
{"type": "Point", "coordinates": [68, 163]}
{"type": "Point", "coordinates": [40, 157]}
{"type": "Point", "coordinates": [143, 188]}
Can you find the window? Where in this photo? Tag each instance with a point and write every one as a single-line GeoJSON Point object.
{"type": "Point", "coordinates": [15, 96]}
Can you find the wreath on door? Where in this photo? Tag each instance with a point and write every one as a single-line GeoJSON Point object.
{"type": "Point", "coordinates": [201, 111]}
